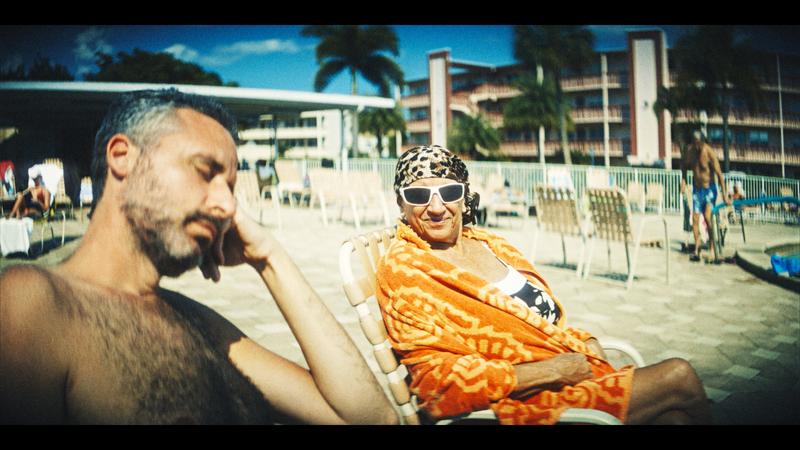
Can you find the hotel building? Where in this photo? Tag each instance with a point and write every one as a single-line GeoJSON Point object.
{"type": "Point", "coordinates": [612, 109]}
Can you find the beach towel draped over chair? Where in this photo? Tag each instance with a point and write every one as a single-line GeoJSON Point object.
{"type": "Point", "coordinates": [360, 293]}
{"type": "Point", "coordinates": [611, 220]}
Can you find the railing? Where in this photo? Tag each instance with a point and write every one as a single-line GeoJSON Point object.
{"type": "Point", "coordinates": [745, 118]}
{"type": "Point", "coordinates": [769, 155]}
{"type": "Point", "coordinates": [528, 148]}
{"type": "Point", "coordinates": [525, 176]}
{"type": "Point", "coordinates": [591, 82]}
{"type": "Point", "coordinates": [584, 115]}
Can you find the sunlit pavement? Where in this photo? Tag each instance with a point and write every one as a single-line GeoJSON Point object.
{"type": "Point", "coordinates": [738, 331]}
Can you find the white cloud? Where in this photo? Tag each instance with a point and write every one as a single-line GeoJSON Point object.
{"type": "Point", "coordinates": [89, 42]}
{"type": "Point", "coordinates": [228, 54]}
{"type": "Point", "coordinates": [261, 47]}
{"type": "Point", "coordinates": [182, 52]}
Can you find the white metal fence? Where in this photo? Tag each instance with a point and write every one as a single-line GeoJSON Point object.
{"type": "Point", "coordinates": [525, 176]}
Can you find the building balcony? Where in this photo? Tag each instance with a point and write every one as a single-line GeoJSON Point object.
{"type": "Point", "coordinates": [789, 84]}
{"type": "Point", "coordinates": [761, 154]}
{"type": "Point", "coordinates": [580, 116]}
{"type": "Point", "coordinates": [769, 119]}
{"type": "Point", "coordinates": [415, 101]}
{"type": "Point", "coordinates": [595, 115]}
{"type": "Point", "coordinates": [592, 82]}
{"type": "Point", "coordinates": [492, 92]}
{"type": "Point", "coordinates": [418, 126]}
{"type": "Point", "coordinates": [531, 149]}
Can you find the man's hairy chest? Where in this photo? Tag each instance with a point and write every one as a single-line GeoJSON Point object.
{"type": "Point", "coordinates": [149, 362]}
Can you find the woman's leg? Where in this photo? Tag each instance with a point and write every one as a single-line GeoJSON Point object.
{"type": "Point", "coordinates": [15, 213]}
{"type": "Point", "coordinates": [668, 392]}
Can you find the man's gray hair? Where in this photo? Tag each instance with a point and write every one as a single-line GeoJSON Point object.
{"type": "Point", "coordinates": [144, 116]}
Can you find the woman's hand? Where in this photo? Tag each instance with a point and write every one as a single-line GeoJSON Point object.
{"type": "Point", "coordinates": [550, 374]}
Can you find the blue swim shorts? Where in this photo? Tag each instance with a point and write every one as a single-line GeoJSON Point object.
{"type": "Point", "coordinates": [703, 196]}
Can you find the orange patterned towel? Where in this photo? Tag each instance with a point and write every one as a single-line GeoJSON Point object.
{"type": "Point", "coordinates": [459, 337]}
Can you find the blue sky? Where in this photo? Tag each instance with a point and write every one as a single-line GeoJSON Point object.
{"type": "Point", "coordinates": [270, 56]}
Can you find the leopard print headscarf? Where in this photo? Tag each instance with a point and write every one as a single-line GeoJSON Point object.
{"type": "Point", "coordinates": [435, 162]}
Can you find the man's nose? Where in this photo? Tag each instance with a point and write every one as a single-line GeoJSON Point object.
{"type": "Point", "coordinates": [222, 202]}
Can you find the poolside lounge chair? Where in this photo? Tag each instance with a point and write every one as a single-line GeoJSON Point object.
{"type": "Point", "coordinates": [86, 196]}
{"type": "Point", "coordinates": [654, 198]}
{"type": "Point", "coordinates": [500, 200]}
{"type": "Point", "coordinates": [611, 220]}
{"type": "Point", "coordinates": [557, 211]}
{"type": "Point", "coordinates": [290, 182]}
{"type": "Point", "coordinates": [360, 292]}
{"type": "Point", "coordinates": [597, 178]}
{"type": "Point", "coordinates": [254, 200]}
{"type": "Point", "coordinates": [61, 197]}
{"type": "Point", "coordinates": [636, 196]}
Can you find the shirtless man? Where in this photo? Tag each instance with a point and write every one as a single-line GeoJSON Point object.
{"type": "Point", "coordinates": [702, 160]}
{"type": "Point", "coordinates": [96, 340]}
{"type": "Point", "coordinates": [32, 202]}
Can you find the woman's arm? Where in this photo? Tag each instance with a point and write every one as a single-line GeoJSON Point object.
{"type": "Point", "coordinates": [560, 370]}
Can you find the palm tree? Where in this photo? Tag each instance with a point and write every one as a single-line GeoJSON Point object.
{"type": "Point", "coordinates": [473, 136]}
{"type": "Point", "coordinates": [674, 100]}
{"type": "Point", "coordinates": [555, 48]}
{"type": "Point", "coordinates": [381, 122]}
{"type": "Point", "coordinates": [535, 107]}
{"type": "Point", "coordinates": [360, 51]}
{"type": "Point", "coordinates": [712, 68]}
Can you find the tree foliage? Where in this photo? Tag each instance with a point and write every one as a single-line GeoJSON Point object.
{"type": "Point", "coordinates": [555, 48]}
{"type": "Point", "coordinates": [42, 69]}
{"type": "Point", "coordinates": [536, 106]}
{"type": "Point", "coordinates": [381, 122]}
{"type": "Point", "coordinates": [142, 66]}
{"type": "Point", "coordinates": [474, 137]}
{"type": "Point", "coordinates": [359, 51]}
{"type": "Point", "coordinates": [713, 67]}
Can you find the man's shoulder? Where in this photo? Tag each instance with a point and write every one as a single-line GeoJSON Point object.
{"type": "Point", "coordinates": [27, 282]}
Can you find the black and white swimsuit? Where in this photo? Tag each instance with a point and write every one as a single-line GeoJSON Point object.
{"type": "Point", "coordinates": [517, 286]}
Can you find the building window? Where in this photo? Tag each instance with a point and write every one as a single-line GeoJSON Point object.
{"type": "Point", "coordinates": [418, 139]}
{"type": "Point", "coordinates": [418, 89]}
{"type": "Point", "coordinates": [759, 138]}
{"type": "Point", "coordinates": [418, 113]}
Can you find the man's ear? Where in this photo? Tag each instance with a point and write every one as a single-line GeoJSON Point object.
{"type": "Point", "coordinates": [121, 155]}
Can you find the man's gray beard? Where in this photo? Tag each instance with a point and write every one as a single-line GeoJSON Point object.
{"type": "Point", "coordinates": [162, 240]}
{"type": "Point", "coordinates": [158, 230]}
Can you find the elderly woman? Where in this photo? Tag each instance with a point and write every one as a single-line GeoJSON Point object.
{"type": "Point", "coordinates": [478, 327]}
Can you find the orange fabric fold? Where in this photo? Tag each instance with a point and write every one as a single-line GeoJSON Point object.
{"type": "Point", "coordinates": [460, 336]}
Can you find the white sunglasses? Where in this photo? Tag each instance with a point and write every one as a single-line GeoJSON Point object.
{"type": "Point", "coordinates": [422, 195]}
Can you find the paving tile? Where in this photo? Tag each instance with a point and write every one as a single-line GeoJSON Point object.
{"type": "Point", "coordinates": [766, 354]}
{"type": "Point", "coordinates": [742, 372]}
{"type": "Point", "coordinates": [716, 395]}
{"type": "Point", "coordinates": [785, 339]}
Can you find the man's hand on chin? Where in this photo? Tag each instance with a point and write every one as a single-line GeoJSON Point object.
{"type": "Point", "coordinates": [242, 241]}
